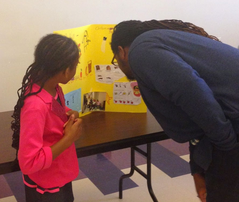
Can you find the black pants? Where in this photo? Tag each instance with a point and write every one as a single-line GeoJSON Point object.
{"type": "Point", "coordinates": [64, 195]}
{"type": "Point", "coordinates": [222, 177]}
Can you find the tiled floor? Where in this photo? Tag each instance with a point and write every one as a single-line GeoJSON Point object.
{"type": "Point", "coordinates": [99, 175]}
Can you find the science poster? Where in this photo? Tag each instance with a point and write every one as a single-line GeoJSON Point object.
{"type": "Point", "coordinates": [98, 85]}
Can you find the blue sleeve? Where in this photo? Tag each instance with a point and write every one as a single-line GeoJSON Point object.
{"type": "Point", "coordinates": [194, 167]}
{"type": "Point", "coordinates": [177, 81]}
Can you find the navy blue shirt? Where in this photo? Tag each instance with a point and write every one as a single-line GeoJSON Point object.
{"type": "Point", "coordinates": [190, 83]}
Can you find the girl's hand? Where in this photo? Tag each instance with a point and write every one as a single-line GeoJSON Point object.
{"type": "Point", "coordinates": [69, 113]}
{"type": "Point", "coordinates": [200, 185]}
{"type": "Point", "coordinates": [73, 128]}
{"type": "Point", "coordinates": [72, 132]}
{"type": "Point", "coordinates": [76, 113]}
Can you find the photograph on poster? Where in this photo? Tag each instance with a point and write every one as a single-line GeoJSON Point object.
{"type": "Point", "coordinates": [93, 101]}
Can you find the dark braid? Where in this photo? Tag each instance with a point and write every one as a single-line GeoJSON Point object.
{"type": "Point", "coordinates": [54, 53]}
{"type": "Point", "coordinates": [126, 31]}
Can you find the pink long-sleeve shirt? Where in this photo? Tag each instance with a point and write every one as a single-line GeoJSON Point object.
{"type": "Point", "coordinates": [41, 125]}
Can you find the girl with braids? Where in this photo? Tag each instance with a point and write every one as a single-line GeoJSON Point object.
{"type": "Point", "coordinates": [44, 128]}
{"type": "Point", "coordinates": [189, 82]}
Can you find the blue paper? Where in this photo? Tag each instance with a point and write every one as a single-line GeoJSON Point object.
{"type": "Point", "coordinates": [73, 100]}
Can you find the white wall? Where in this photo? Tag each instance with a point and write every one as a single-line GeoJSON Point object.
{"type": "Point", "coordinates": [24, 22]}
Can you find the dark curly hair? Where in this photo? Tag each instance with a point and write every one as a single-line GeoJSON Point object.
{"type": "Point", "coordinates": [125, 32]}
{"type": "Point", "coordinates": [53, 54]}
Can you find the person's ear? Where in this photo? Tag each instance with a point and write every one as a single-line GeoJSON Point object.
{"type": "Point", "coordinates": [67, 73]}
{"type": "Point", "coordinates": [123, 54]}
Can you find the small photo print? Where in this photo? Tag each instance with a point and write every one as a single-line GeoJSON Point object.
{"type": "Point", "coordinates": [93, 101]}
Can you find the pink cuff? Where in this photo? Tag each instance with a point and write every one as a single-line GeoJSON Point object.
{"type": "Point", "coordinates": [48, 153]}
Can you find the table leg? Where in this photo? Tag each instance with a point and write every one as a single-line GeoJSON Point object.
{"type": "Point", "coordinates": [127, 175]}
{"type": "Point", "coordinates": [135, 168]}
{"type": "Point", "coordinates": [149, 182]}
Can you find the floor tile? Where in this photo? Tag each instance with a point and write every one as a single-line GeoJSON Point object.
{"type": "Point", "coordinates": [167, 161]}
{"type": "Point", "coordinates": [99, 177]}
{"type": "Point", "coordinates": [15, 182]}
{"type": "Point", "coordinates": [104, 174]}
{"type": "Point", "coordinates": [8, 199]}
{"type": "Point", "coordinates": [121, 158]}
{"type": "Point", "coordinates": [177, 148]}
{"type": "Point", "coordinates": [5, 190]}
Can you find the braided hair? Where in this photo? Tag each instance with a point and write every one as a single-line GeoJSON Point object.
{"type": "Point", "coordinates": [126, 31]}
{"type": "Point", "coordinates": [53, 54]}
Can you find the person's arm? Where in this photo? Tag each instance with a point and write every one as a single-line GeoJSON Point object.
{"type": "Point", "coordinates": [198, 176]}
{"type": "Point", "coordinates": [33, 155]}
{"type": "Point", "coordinates": [194, 167]}
{"type": "Point", "coordinates": [179, 83]}
{"type": "Point", "coordinates": [200, 186]}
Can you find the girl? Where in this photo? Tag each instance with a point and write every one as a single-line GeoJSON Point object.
{"type": "Point", "coordinates": [44, 128]}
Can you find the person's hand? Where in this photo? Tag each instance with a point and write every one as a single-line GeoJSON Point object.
{"type": "Point", "coordinates": [69, 113]}
{"type": "Point", "coordinates": [71, 133]}
{"type": "Point", "coordinates": [73, 128]}
{"type": "Point", "coordinates": [200, 186]}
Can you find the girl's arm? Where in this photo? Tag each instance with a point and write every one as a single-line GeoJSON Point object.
{"type": "Point", "coordinates": [33, 154]}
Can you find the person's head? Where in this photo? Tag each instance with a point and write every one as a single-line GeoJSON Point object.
{"type": "Point", "coordinates": [54, 54]}
{"type": "Point", "coordinates": [127, 31]}
{"type": "Point", "coordinates": [123, 35]}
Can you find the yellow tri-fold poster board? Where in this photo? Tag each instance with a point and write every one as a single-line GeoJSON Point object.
{"type": "Point", "coordinates": [98, 85]}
